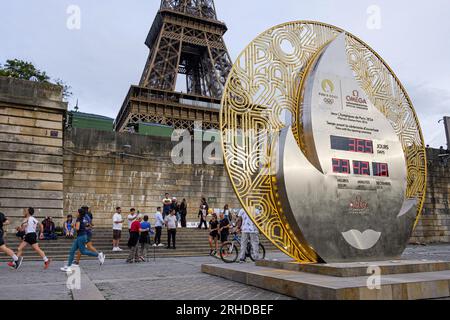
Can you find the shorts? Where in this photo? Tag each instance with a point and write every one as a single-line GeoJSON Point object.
{"type": "Point", "coordinates": [214, 234]}
{"type": "Point", "coordinates": [224, 237]}
{"type": "Point", "coordinates": [117, 234]}
{"type": "Point", "coordinates": [2, 242]}
{"type": "Point", "coordinates": [31, 238]}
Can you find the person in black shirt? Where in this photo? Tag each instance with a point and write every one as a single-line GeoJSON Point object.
{"type": "Point", "coordinates": [183, 213]}
{"type": "Point", "coordinates": [17, 262]}
{"type": "Point", "coordinates": [224, 228]}
{"type": "Point", "coordinates": [213, 235]}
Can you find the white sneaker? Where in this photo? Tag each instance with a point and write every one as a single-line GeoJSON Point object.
{"type": "Point", "coordinates": [119, 249]}
{"type": "Point", "coordinates": [154, 245]}
{"type": "Point", "coordinates": [101, 258]}
{"type": "Point", "coordinates": [160, 245]}
{"type": "Point", "coordinates": [66, 269]}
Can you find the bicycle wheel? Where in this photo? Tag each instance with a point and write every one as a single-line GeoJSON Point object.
{"type": "Point", "coordinates": [261, 253]}
{"type": "Point", "coordinates": [229, 252]}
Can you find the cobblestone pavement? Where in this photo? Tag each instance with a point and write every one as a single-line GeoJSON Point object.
{"type": "Point", "coordinates": [165, 279]}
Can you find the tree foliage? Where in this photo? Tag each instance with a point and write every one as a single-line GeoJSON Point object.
{"type": "Point", "coordinates": [25, 70]}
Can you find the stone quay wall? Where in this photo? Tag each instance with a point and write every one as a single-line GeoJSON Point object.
{"type": "Point", "coordinates": [31, 148]}
{"type": "Point", "coordinates": [57, 171]}
{"type": "Point", "coordinates": [434, 226]}
{"type": "Point", "coordinates": [97, 173]}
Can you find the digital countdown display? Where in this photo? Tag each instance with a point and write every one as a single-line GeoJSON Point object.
{"type": "Point", "coordinates": [351, 144]}
{"type": "Point", "coordinates": [360, 168]}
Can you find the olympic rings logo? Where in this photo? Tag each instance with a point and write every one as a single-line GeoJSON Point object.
{"type": "Point", "coordinates": [328, 101]}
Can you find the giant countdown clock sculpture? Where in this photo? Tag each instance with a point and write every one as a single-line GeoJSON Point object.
{"type": "Point", "coordinates": [323, 146]}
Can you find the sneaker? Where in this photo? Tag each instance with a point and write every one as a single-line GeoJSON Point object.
{"type": "Point", "coordinates": [119, 249]}
{"type": "Point", "coordinates": [12, 265]}
{"type": "Point", "coordinates": [155, 245]}
{"type": "Point", "coordinates": [66, 269]}
{"type": "Point", "coordinates": [101, 258]}
{"type": "Point", "coordinates": [18, 263]}
{"type": "Point", "coordinates": [47, 264]}
{"type": "Point", "coordinates": [241, 261]}
{"type": "Point", "coordinates": [115, 249]}
{"type": "Point", "coordinates": [160, 245]}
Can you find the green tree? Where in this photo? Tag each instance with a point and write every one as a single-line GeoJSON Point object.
{"type": "Point", "coordinates": [25, 70]}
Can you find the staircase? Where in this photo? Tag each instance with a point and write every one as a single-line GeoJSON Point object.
{"type": "Point", "coordinates": [190, 242]}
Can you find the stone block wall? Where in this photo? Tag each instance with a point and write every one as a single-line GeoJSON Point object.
{"type": "Point", "coordinates": [98, 175]}
{"type": "Point", "coordinates": [434, 225]}
{"type": "Point", "coordinates": [31, 153]}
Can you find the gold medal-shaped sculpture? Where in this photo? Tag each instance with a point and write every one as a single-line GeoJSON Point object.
{"type": "Point", "coordinates": [322, 145]}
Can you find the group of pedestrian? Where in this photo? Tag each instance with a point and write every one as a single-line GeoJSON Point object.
{"type": "Point", "coordinates": [172, 204]}
{"type": "Point", "coordinates": [220, 229]}
{"type": "Point", "coordinates": [140, 229]}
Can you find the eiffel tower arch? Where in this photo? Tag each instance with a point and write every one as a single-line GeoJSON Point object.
{"type": "Point", "coordinates": [186, 47]}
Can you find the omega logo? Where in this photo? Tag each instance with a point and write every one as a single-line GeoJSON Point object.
{"type": "Point", "coordinates": [356, 98]}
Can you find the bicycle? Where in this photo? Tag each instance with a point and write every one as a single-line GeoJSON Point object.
{"type": "Point", "coordinates": [229, 251]}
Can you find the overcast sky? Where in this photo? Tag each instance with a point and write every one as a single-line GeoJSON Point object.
{"type": "Point", "coordinates": [107, 54]}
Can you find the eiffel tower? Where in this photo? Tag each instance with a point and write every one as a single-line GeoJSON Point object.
{"type": "Point", "coordinates": [187, 51]}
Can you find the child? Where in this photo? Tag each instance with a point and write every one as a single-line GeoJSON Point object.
{"type": "Point", "coordinates": [29, 227]}
{"type": "Point", "coordinates": [135, 229]}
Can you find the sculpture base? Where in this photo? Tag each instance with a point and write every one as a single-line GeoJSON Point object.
{"type": "Point", "coordinates": [400, 280]}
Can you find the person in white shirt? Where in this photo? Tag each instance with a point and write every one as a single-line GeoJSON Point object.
{"type": "Point", "coordinates": [159, 223]}
{"type": "Point", "coordinates": [171, 223]}
{"type": "Point", "coordinates": [117, 229]}
{"type": "Point", "coordinates": [131, 217]}
{"type": "Point", "coordinates": [249, 232]}
{"type": "Point", "coordinates": [30, 229]}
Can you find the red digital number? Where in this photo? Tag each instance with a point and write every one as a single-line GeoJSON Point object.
{"type": "Point", "coordinates": [361, 168]}
{"type": "Point", "coordinates": [381, 170]}
{"type": "Point", "coordinates": [368, 146]}
{"type": "Point", "coordinates": [341, 166]}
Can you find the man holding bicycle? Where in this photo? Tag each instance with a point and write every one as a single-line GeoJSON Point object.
{"type": "Point", "coordinates": [249, 232]}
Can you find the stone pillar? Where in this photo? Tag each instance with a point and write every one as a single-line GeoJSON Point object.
{"type": "Point", "coordinates": [31, 149]}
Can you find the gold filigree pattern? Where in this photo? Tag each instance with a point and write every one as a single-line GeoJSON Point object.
{"type": "Point", "coordinates": [262, 97]}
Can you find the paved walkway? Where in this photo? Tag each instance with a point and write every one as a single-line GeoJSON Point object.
{"type": "Point", "coordinates": [165, 279]}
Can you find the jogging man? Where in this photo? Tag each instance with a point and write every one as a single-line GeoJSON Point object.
{"type": "Point", "coordinates": [30, 227]}
{"type": "Point", "coordinates": [17, 262]}
{"type": "Point", "coordinates": [80, 243]}
{"type": "Point", "coordinates": [88, 217]}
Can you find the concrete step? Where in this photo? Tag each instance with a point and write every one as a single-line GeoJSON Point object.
{"type": "Point", "coordinates": [330, 283]}
{"type": "Point", "coordinates": [190, 242]}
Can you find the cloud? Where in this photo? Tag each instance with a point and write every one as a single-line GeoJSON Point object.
{"type": "Point", "coordinates": [431, 105]}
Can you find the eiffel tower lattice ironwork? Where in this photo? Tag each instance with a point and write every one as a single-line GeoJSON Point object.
{"type": "Point", "coordinates": [186, 50]}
